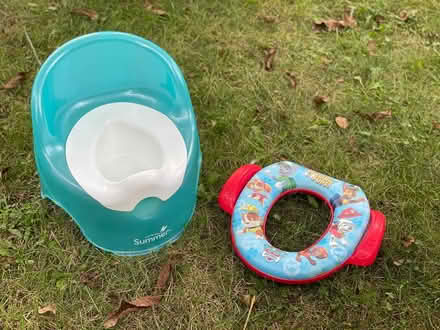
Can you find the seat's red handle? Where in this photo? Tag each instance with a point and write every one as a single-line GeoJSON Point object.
{"type": "Point", "coordinates": [234, 185]}
{"type": "Point", "coordinates": [367, 250]}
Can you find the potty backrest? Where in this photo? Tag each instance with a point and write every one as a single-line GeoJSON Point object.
{"type": "Point", "coordinates": [113, 63]}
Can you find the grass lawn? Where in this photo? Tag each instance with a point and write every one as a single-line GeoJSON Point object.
{"type": "Point", "coordinates": [389, 62]}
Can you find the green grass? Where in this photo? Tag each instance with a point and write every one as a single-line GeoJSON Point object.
{"type": "Point", "coordinates": [244, 114]}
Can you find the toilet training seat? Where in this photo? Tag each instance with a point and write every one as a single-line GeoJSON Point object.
{"type": "Point", "coordinates": [353, 236]}
{"type": "Point", "coordinates": [121, 153]}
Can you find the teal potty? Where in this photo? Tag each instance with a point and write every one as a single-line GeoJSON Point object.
{"type": "Point", "coordinates": [116, 142]}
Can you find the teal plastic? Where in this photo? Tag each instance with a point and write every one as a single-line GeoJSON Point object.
{"type": "Point", "coordinates": [83, 74]}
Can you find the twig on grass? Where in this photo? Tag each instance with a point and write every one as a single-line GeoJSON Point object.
{"type": "Point", "coordinates": [32, 46]}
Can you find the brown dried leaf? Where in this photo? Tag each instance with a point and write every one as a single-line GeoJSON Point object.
{"type": "Point", "coordinates": [269, 19]}
{"type": "Point", "coordinates": [146, 301]}
{"type": "Point", "coordinates": [342, 122]}
{"type": "Point", "coordinates": [90, 279]}
{"type": "Point", "coordinates": [372, 47]}
{"type": "Point", "coordinates": [123, 310]}
{"type": "Point", "coordinates": [292, 79]}
{"type": "Point", "coordinates": [349, 20]}
{"type": "Point", "coordinates": [404, 15]}
{"type": "Point", "coordinates": [409, 241]}
{"type": "Point", "coordinates": [128, 307]}
{"type": "Point", "coordinates": [379, 19]}
{"type": "Point", "coordinates": [252, 302]}
{"type": "Point", "coordinates": [15, 81]}
{"type": "Point", "coordinates": [141, 302]}
{"type": "Point", "coordinates": [49, 309]}
{"type": "Point", "coordinates": [90, 13]}
{"type": "Point", "coordinates": [247, 299]}
{"type": "Point", "coordinates": [320, 100]}
{"type": "Point", "coordinates": [333, 25]}
{"type": "Point", "coordinates": [163, 276]}
{"type": "Point", "coordinates": [436, 125]}
{"type": "Point", "coordinates": [380, 115]}
{"type": "Point", "coordinates": [149, 6]}
{"type": "Point", "coordinates": [329, 25]}
{"type": "Point", "coordinates": [268, 59]}
{"type": "Point", "coordinates": [340, 80]}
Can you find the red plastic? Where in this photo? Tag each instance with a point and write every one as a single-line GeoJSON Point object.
{"type": "Point", "coordinates": [231, 190]}
{"type": "Point", "coordinates": [368, 248]}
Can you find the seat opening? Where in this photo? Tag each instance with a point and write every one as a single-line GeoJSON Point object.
{"type": "Point", "coordinates": [297, 220]}
{"type": "Point", "coordinates": [124, 149]}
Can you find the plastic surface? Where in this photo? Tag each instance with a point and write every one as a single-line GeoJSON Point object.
{"type": "Point", "coordinates": [235, 184]}
{"type": "Point", "coordinates": [367, 250]}
{"type": "Point", "coordinates": [347, 239]}
{"type": "Point", "coordinates": [92, 71]}
{"type": "Point", "coordinates": [121, 153]}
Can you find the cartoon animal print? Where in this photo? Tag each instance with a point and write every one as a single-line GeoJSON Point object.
{"type": "Point", "coordinates": [259, 186]}
{"type": "Point", "coordinates": [316, 251]}
{"type": "Point", "coordinates": [348, 196]}
{"type": "Point", "coordinates": [287, 168]}
{"type": "Point", "coordinates": [319, 178]}
{"type": "Point", "coordinates": [248, 207]}
{"type": "Point", "coordinates": [252, 223]}
{"type": "Point", "coordinates": [338, 229]}
{"type": "Point", "coordinates": [258, 197]}
{"type": "Point", "coordinates": [285, 181]}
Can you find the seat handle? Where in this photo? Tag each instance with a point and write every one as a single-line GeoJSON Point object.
{"type": "Point", "coordinates": [231, 190]}
{"type": "Point", "coordinates": [368, 248]}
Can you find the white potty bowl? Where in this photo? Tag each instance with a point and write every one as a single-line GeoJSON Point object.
{"type": "Point", "coordinates": [121, 153]}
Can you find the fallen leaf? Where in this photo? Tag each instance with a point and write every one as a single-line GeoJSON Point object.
{"type": "Point", "coordinates": [90, 279]}
{"type": "Point", "coordinates": [163, 276]}
{"type": "Point", "coordinates": [379, 19]}
{"type": "Point", "coordinates": [333, 25]}
{"type": "Point", "coordinates": [246, 299]}
{"type": "Point", "coordinates": [141, 302]}
{"type": "Point", "coordinates": [398, 262]}
{"type": "Point", "coordinates": [349, 20]}
{"type": "Point", "coordinates": [250, 310]}
{"type": "Point", "coordinates": [409, 241]}
{"type": "Point", "coordinates": [149, 6]}
{"type": "Point", "coordinates": [123, 310]}
{"type": "Point", "coordinates": [128, 307]}
{"type": "Point", "coordinates": [292, 79]}
{"type": "Point", "coordinates": [404, 15]}
{"type": "Point", "coordinates": [15, 81]}
{"type": "Point", "coordinates": [372, 47]}
{"type": "Point", "coordinates": [319, 100]}
{"type": "Point", "coordinates": [340, 80]}
{"type": "Point", "coordinates": [329, 24]}
{"type": "Point", "coordinates": [268, 59]}
{"type": "Point", "coordinates": [380, 115]}
{"type": "Point", "coordinates": [90, 13]}
{"type": "Point", "coordinates": [342, 122]}
{"type": "Point", "coordinates": [436, 125]}
{"type": "Point", "coordinates": [269, 19]}
{"type": "Point", "coordinates": [52, 309]}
